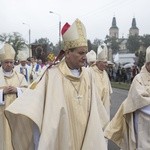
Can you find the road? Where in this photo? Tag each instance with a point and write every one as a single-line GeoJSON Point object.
{"type": "Point", "coordinates": [117, 97]}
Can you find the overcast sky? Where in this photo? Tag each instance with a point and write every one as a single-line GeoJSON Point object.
{"type": "Point", "coordinates": [95, 14]}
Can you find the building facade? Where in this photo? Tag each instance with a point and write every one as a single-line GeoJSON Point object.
{"type": "Point", "coordinates": [123, 54]}
{"type": "Point", "coordinates": [114, 30]}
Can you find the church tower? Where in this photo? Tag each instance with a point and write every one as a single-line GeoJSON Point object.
{"type": "Point", "coordinates": [114, 31]}
{"type": "Point", "coordinates": [134, 30]}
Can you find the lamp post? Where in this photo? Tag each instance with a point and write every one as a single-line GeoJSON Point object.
{"type": "Point", "coordinates": [29, 38]}
{"type": "Point", "coordinates": [59, 27]}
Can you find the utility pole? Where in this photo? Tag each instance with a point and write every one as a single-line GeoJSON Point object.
{"type": "Point", "coordinates": [59, 27]}
{"type": "Point", "coordinates": [29, 44]}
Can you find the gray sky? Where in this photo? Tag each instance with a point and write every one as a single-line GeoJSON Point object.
{"type": "Point", "coordinates": [95, 14]}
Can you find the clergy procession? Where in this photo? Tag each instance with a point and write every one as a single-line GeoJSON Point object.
{"type": "Point", "coordinates": [65, 103]}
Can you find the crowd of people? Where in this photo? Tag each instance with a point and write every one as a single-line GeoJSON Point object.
{"type": "Point", "coordinates": [117, 73]}
{"type": "Point", "coordinates": [65, 104]}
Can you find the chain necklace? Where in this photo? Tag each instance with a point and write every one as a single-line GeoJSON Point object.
{"type": "Point", "coordinates": [78, 97]}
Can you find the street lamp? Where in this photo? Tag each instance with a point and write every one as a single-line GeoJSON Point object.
{"type": "Point", "coordinates": [59, 27]}
{"type": "Point", "coordinates": [29, 38]}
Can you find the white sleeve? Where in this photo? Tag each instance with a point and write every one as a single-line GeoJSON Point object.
{"type": "Point", "coordinates": [1, 98]}
{"type": "Point", "coordinates": [146, 110]}
{"type": "Point", "coordinates": [19, 91]}
{"type": "Point", "coordinates": [36, 136]}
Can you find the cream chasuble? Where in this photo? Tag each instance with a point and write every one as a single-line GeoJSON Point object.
{"type": "Point", "coordinates": [16, 80]}
{"type": "Point", "coordinates": [66, 111]}
{"type": "Point", "coordinates": [121, 129]}
{"type": "Point", "coordinates": [101, 80]}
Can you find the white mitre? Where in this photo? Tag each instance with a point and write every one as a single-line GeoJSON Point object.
{"type": "Point", "coordinates": [148, 54]}
{"type": "Point", "coordinates": [6, 52]}
{"type": "Point", "coordinates": [91, 56]}
{"type": "Point", "coordinates": [22, 56]}
{"type": "Point", "coordinates": [102, 53]}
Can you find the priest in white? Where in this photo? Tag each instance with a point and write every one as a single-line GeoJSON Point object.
{"type": "Point", "coordinates": [23, 67]}
{"type": "Point", "coordinates": [100, 77]}
{"type": "Point", "coordinates": [12, 85]}
{"type": "Point", "coordinates": [130, 127]}
{"type": "Point", "coordinates": [36, 69]}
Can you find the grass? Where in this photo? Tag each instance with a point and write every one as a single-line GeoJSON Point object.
{"type": "Point", "coordinates": [120, 85]}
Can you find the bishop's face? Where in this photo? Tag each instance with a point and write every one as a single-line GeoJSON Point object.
{"type": "Point", "coordinates": [102, 65]}
{"type": "Point", "coordinates": [8, 65]}
{"type": "Point", "coordinates": [76, 58]}
{"type": "Point", "coordinates": [23, 63]}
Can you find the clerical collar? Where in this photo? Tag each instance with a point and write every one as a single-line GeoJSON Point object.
{"type": "Point", "coordinates": [23, 66]}
{"type": "Point", "coordinates": [8, 74]}
{"type": "Point", "coordinates": [75, 72]}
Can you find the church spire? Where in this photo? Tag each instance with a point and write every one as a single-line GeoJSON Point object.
{"type": "Point", "coordinates": [114, 31]}
{"type": "Point", "coordinates": [134, 30]}
{"type": "Point", "coordinates": [134, 23]}
{"type": "Point", "coordinates": [114, 22]}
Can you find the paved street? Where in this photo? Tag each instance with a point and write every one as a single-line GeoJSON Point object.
{"type": "Point", "coordinates": [116, 98]}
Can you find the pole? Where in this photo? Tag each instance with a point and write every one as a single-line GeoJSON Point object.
{"type": "Point", "coordinates": [59, 34]}
{"type": "Point", "coordinates": [59, 27]}
{"type": "Point", "coordinates": [30, 42]}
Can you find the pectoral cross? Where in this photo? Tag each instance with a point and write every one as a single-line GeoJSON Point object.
{"type": "Point", "coordinates": [77, 92]}
{"type": "Point", "coordinates": [79, 97]}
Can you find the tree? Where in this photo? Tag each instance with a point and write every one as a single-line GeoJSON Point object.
{"type": "Point", "coordinates": [42, 41]}
{"type": "Point", "coordinates": [133, 43]}
{"type": "Point", "coordinates": [42, 47]}
{"type": "Point", "coordinates": [141, 58]}
{"type": "Point", "coordinates": [113, 43]}
{"type": "Point", "coordinates": [89, 45]}
{"type": "Point", "coordinates": [56, 49]}
{"type": "Point", "coordinates": [145, 39]}
{"type": "Point", "coordinates": [50, 47]}
{"type": "Point", "coordinates": [96, 43]}
{"type": "Point", "coordinates": [45, 41]}
{"type": "Point", "coordinates": [15, 39]}
{"type": "Point", "coordinates": [3, 37]}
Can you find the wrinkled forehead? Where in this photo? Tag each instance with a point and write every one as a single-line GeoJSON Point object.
{"type": "Point", "coordinates": [82, 49]}
{"type": "Point", "coordinates": [8, 61]}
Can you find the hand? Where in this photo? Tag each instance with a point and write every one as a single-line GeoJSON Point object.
{"type": "Point", "coordinates": [10, 90]}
